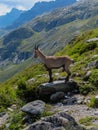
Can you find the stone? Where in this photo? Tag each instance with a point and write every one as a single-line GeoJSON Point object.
{"type": "Point", "coordinates": [40, 125]}
{"type": "Point", "coordinates": [92, 64]}
{"type": "Point", "coordinates": [92, 39]}
{"type": "Point", "coordinates": [58, 121]}
{"type": "Point", "coordinates": [57, 86]}
{"type": "Point", "coordinates": [86, 77]}
{"type": "Point", "coordinates": [96, 113]}
{"type": "Point", "coordinates": [96, 101]}
{"type": "Point", "coordinates": [94, 56]}
{"type": "Point", "coordinates": [80, 100]}
{"type": "Point", "coordinates": [87, 100]}
{"type": "Point", "coordinates": [31, 80]}
{"type": "Point", "coordinates": [2, 114]}
{"type": "Point", "coordinates": [10, 109]}
{"type": "Point", "coordinates": [34, 108]}
{"type": "Point", "coordinates": [57, 96]}
{"type": "Point", "coordinates": [69, 101]}
{"type": "Point", "coordinates": [3, 118]}
{"type": "Point", "coordinates": [96, 97]}
{"type": "Point", "coordinates": [14, 107]}
{"type": "Point", "coordinates": [59, 128]}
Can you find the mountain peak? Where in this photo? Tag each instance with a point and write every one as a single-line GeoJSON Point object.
{"type": "Point", "coordinates": [14, 10]}
{"type": "Point", "coordinates": [39, 8]}
{"type": "Point", "coordinates": [9, 18]}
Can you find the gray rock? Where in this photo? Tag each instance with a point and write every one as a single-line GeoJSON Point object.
{"type": "Point", "coordinates": [69, 101]}
{"type": "Point", "coordinates": [96, 113]}
{"type": "Point", "coordinates": [57, 86]}
{"type": "Point", "coordinates": [59, 121]}
{"type": "Point", "coordinates": [92, 39]}
{"type": "Point", "coordinates": [2, 114]}
{"type": "Point", "coordinates": [80, 100]}
{"type": "Point", "coordinates": [94, 56]}
{"type": "Point", "coordinates": [57, 96]}
{"type": "Point", "coordinates": [34, 108]}
{"type": "Point", "coordinates": [14, 107]}
{"type": "Point", "coordinates": [86, 77]}
{"type": "Point", "coordinates": [96, 97]}
{"type": "Point", "coordinates": [59, 128]}
{"type": "Point", "coordinates": [3, 118]}
{"type": "Point", "coordinates": [93, 64]}
{"type": "Point", "coordinates": [96, 101]}
{"type": "Point", "coordinates": [40, 125]}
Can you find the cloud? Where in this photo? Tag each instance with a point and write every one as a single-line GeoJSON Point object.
{"type": "Point", "coordinates": [4, 9]}
{"type": "Point", "coordinates": [6, 5]}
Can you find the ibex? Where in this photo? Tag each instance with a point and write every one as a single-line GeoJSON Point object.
{"type": "Point", "coordinates": [54, 62]}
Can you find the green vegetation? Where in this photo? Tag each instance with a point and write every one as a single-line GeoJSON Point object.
{"type": "Point", "coordinates": [83, 53]}
{"type": "Point", "coordinates": [93, 103]}
{"type": "Point", "coordinates": [88, 121]}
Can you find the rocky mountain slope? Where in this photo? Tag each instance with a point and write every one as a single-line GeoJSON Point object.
{"type": "Point", "coordinates": [52, 32]}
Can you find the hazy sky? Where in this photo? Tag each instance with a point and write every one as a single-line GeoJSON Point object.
{"type": "Point", "coordinates": [7, 5]}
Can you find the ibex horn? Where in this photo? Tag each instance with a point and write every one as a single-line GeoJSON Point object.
{"type": "Point", "coordinates": [36, 46]}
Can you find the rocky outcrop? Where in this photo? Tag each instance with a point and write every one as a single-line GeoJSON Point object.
{"type": "Point", "coordinates": [59, 121]}
{"type": "Point", "coordinates": [48, 89]}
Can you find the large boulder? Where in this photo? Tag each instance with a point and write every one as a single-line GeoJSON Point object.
{"type": "Point", "coordinates": [57, 86]}
{"type": "Point", "coordinates": [34, 108]}
{"type": "Point", "coordinates": [59, 121]}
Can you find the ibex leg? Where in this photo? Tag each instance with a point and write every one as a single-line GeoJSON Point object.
{"type": "Point", "coordinates": [50, 76]}
{"type": "Point", "coordinates": [68, 74]}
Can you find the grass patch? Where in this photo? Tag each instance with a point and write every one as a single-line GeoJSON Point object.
{"type": "Point", "coordinates": [93, 103]}
{"type": "Point", "coordinates": [87, 121]}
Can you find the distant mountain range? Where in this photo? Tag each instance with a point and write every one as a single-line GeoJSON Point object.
{"type": "Point", "coordinates": [38, 9]}
{"type": "Point", "coordinates": [16, 17]}
{"type": "Point", "coordinates": [9, 18]}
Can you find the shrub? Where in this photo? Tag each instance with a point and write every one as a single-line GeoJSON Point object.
{"type": "Point", "coordinates": [86, 88]}
{"type": "Point", "coordinates": [94, 77]}
{"type": "Point", "coordinates": [26, 91]}
{"type": "Point", "coordinates": [93, 103]}
{"type": "Point", "coordinates": [16, 121]}
{"type": "Point", "coordinates": [87, 47]}
{"type": "Point", "coordinates": [87, 121]}
{"type": "Point", "coordinates": [7, 96]}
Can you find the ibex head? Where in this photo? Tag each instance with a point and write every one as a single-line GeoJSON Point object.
{"type": "Point", "coordinates": [36, 51]}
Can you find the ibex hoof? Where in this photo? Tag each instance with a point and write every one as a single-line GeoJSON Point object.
{"type": "Point", "coordinates": [50, 81]}
{"type": "Point", "coordinates": [66, 80]}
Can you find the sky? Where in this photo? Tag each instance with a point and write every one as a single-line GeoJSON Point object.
{"type": "Point", "coordinates": [7, 5]}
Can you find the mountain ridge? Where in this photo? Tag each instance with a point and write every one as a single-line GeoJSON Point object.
{"type": "Point", "coordinates": [38, 9]}
{"type": "Point", "coordinates": [9, 18]}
